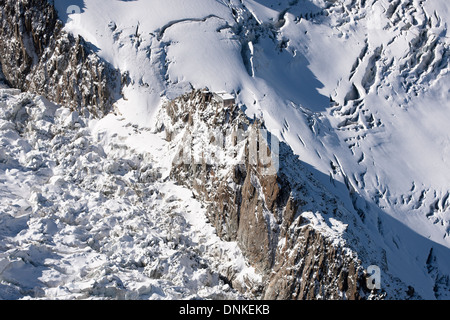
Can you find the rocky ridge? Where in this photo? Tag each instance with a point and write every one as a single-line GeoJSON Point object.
{"type": "Point", "coordinates": [37, 56]}
{"type": "Point", "coordinates": [266, 200]}
{"type": "Point", "coordinates": [303, 242]}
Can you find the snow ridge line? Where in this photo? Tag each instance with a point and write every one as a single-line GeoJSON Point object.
{"type": "Point", "coordinates": [163, 29]}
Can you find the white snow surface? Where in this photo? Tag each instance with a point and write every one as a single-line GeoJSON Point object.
{"type": "Point", "coordinates": [392, 149]}
{"type": "Point", "coordinates": [86, 215]}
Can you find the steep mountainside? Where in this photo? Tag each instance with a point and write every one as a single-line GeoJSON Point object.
{"type": "Point", "coordinates": [36, 55]}
{"type": "Point", "coordinates": [230, 163]}
{"type": "Point", "coordinates": [333, 159]}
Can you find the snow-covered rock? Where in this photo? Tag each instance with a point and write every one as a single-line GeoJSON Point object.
{"type": "Point", "coordinates": [356, 91]}
{"type": "Point", "coordinates": [82, 219]}
{"type": "Point", "coordinates": [37, 56]}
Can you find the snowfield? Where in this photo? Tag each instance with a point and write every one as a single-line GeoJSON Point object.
{"type": "Point", "coordinates": [358, 89]}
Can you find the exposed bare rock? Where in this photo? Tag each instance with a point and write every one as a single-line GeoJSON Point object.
{"type": "Point", "coordinates": [260, 206]}
{"type": "Point", "coordinates": [309, 267]}
{"type": "Point", "coordinates": [36, 55]}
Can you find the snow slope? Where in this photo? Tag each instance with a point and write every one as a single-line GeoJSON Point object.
{"type": "Point", "coordinates": [358, 89]}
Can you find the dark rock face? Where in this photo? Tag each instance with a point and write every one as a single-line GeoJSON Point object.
{"type": "Point", "coordinates": [260, 209]}
{"type": "Point", "coordinates": [320, 269]}
{"type": "Point", "coordinates": [36, 55]}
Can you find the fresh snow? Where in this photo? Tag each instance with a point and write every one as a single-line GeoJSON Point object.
{"type": "Point", "coordinates": [87, 215]}
{"type": "Point", "coordinates": [360, 94]}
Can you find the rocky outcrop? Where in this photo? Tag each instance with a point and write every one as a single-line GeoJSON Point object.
{"type": "Point", "coordinates": [309, 266]}
{"type": "Point", "coordinates": [259, 195]}
{"type": "Point", "coordinates": [37, 56]}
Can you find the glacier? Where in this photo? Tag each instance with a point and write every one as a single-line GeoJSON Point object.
{"type": "Point", "coordinates": [357, 89]}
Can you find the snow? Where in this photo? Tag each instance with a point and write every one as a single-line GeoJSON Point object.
{"type": "Point", "coordinates": [86, 215]}
{"type": "Point", "coordinates": [297, 73]}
